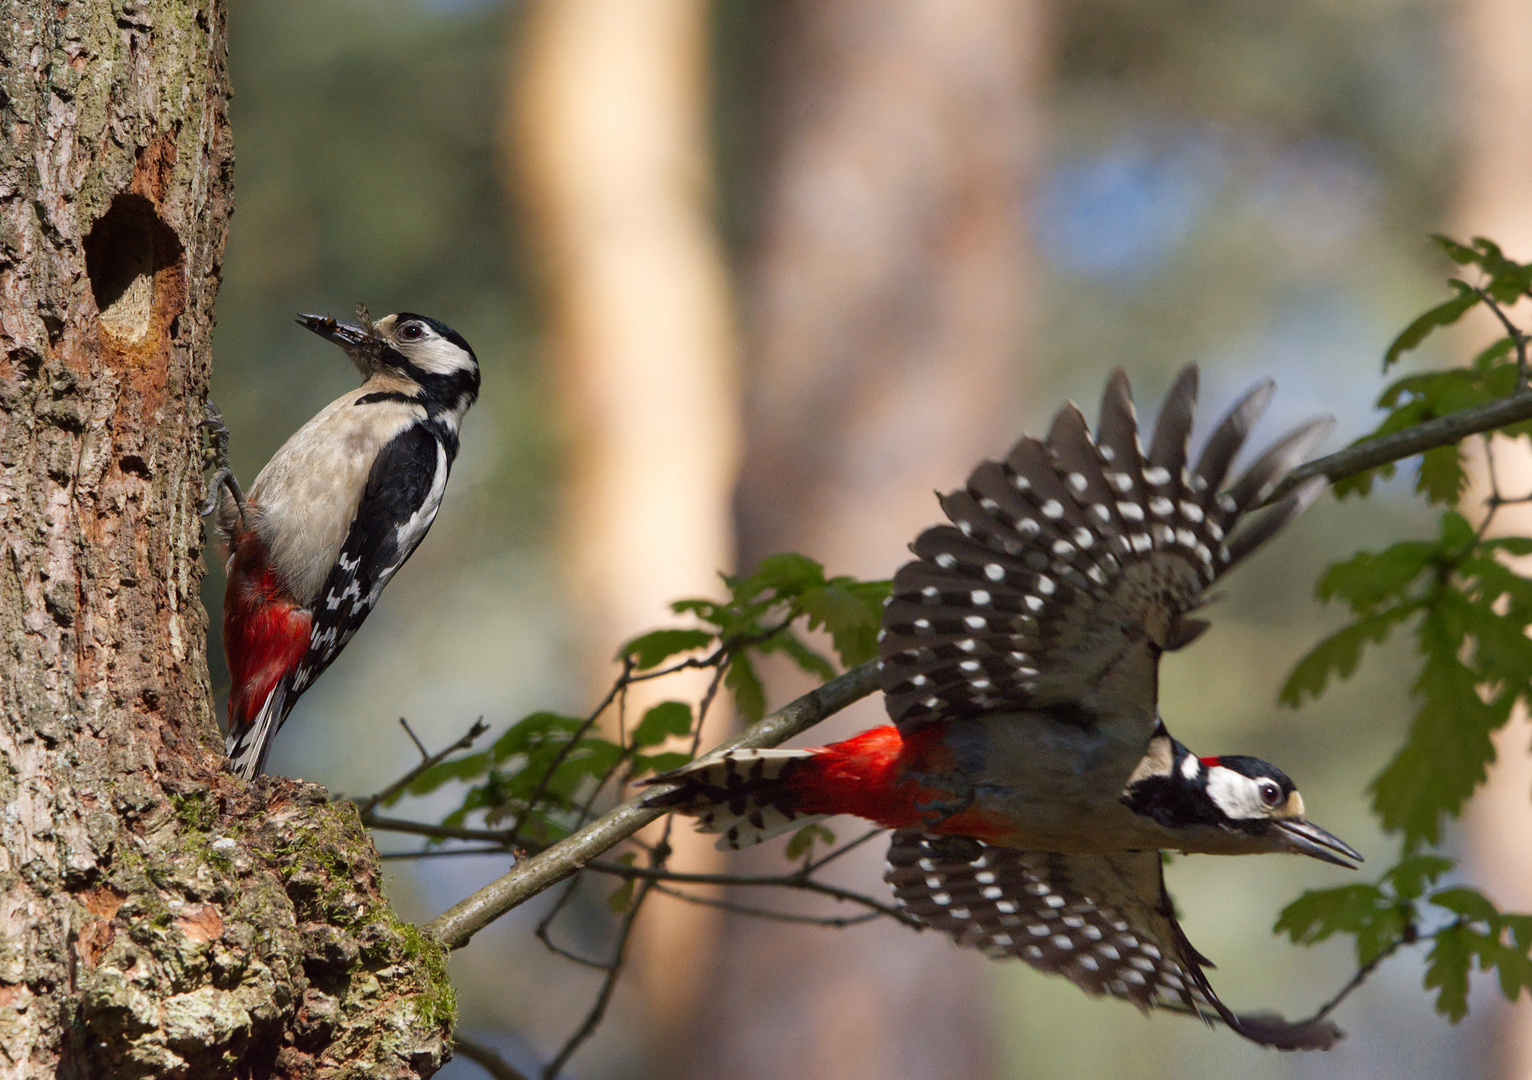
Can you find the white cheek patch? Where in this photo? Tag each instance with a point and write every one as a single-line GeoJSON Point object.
{"type": "Point", "coordinates": [1190, 767]}
{"type": "Point", "coordinates": [437, 355]}
{"type": "Point", "coordinates": [1238, 796]}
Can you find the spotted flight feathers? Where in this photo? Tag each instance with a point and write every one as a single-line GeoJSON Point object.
{"type": "Point", "coordinates": [1076, 551]}
{"type": "Point", "coordinates": [1104, 922]}
{"type": "Point", "coordinates": [742, 794]}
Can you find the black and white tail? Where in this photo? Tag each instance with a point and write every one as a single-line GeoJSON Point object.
{"type": "Point", "coordinates": [248, 744]}
{"type": "Point", "coordinates": [747, 795]}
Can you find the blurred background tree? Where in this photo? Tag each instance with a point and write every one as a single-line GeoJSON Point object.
{"type": "Point", "coordinates": [918, 227]}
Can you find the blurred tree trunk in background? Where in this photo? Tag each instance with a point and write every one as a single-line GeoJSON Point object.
{"type": "Point", "coordinates": [1495, 103]}
{"type": "Point", "coordinates": [160, 918]}
{"type": "Point", "coordinates": [886, 290]}
{"type": "Point", "coordinates": [607, 147]}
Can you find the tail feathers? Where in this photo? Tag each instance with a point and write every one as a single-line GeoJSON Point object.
{"type": "Point", "coordinates": [249, 742]}
{"type": "Point", "coordinates": [747, 795]}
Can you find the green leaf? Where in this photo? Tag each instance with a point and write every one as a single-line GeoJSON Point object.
{"type": "Point", "coordinates": [806, 658]}
{"type": "Point", "coordinates": [1469, 904]}
{"type": "Point", "coordinates": [1458, 253]}
{"type": "Point", "coordinates": [1447, 964]}
{"type": "Point", "coordinates": [749, 695]}
{"type": "Point", "coordinates": [1366, 580]}
{"type": "Point", "coordinates": [851, 611]}
{"type": "Point", "coordinates": [1443, 314]}
{"type": "Point", "coordinates": [788, 574]}
{"type": "Point", "coordinates": [654, 648]}
{"type": "Point", "coordinates": [801, 846]}
{"type": "Point", "coordinates": [661, 722]}
{"type": "Point", "coordinates": [1377, 922]}
{"type": "Point", "coordinates": [658, 763]}
{"type": "Point", "coordinates": [1415, 873]}
{"type": "Point", "coordinates": [1448, 746]}
{"type": "Point", "coordinates": [1339, 654]}
{"type": "Point", "coordinates": [1442, 478]}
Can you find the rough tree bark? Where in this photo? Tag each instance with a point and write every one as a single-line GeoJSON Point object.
{"type": "Point", "coordinates": [157, 917]}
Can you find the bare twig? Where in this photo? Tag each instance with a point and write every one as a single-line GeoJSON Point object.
{"type": "Point", "coordinates": [796, 880]}
{"type": "Point", "coordinates": [608, 984]}
{"type": "Point", "coordinates": [456, 926]}
{"type": "Point", "coordinates": [834, 922]}
{"type": "Point", "coordinates": [427, 761]}
{"type": "Point", "coordinates": [1361, 975]}
{"type": "Point", "coordinates": [1386, 449]}
{"type": "Point", "coordinates": [486, 1058]}
{"type": "Point", "coordinates": [1512, 331]}
{"type": "Point", "coordinates": [436, 832]}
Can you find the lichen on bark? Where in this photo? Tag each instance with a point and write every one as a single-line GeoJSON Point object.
{"type": "Point", "coordinates": [158, 917]}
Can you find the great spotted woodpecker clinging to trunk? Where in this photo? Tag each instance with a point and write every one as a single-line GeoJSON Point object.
{"type": "Point", "coordinates": [1028, 776]}
{"type": "Point", "coordinates": [335, 514]}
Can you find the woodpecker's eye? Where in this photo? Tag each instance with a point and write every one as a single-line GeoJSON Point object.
{"type": "Point", "coordinates": [412, 331]}
{"type": "Point", "coordinates": [1271, 793]}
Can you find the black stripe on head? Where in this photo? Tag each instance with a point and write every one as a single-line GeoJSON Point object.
{"type": "Point", "coordinates": [441, 328]}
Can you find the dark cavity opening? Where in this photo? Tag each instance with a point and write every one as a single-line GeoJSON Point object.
{"type": "Point", "coordinates": [126, 248]}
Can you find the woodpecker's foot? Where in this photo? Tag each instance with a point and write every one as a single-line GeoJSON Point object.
{"type": "Point", "coordinates": [216, 456]}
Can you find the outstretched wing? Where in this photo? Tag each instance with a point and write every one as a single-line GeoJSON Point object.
{"type": "Point", "coordinates": [1104, 922]}
{"type": "Point", "coordinates": [403, 493]}
{"type": "Point", "coordinates": [1072, 564]}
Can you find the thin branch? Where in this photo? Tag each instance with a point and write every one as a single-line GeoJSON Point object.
{"type": "Point", "coordinates": [437, 832]}
{"type": "Point", "coordinates": [486, 1058]}
{"type": "Point", "coordinates": [797, 880]}
{"type": "Point", "coordinates": [439, 853]}
{"type": "Point", "coordinates": [835, 853]}
{"type": "Point", "coordinates": [456, 926]}
{"type": "Point", "coordinates": [558, 759]}
{"type": "Point", "coordinates": [427, 761]}
{"type": "Point", "coordinates": [1386, 449]}
{"type": "Point", "coordinates": [835, 922]}
{"type": "Point", "coordinates": [608, 984]}
{"type": "Point", "coordinates": [1512, 331]}
{"type": "Point", "coordinates": [405, 724]}
{"type": "Point", "coordinates": [1362, 973]}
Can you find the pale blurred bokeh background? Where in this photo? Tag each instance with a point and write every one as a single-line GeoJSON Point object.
{"type": "Point", "coordinates": [749, 277]}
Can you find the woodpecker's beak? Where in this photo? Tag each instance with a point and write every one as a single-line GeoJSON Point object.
{"type": "Point", "coordinates": [347, 335]}
{"type": "Point", "coordinates": [1308, 839]}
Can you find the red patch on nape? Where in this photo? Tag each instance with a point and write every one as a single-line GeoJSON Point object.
{"type": "Point", "coordinates": [265, 632]}
{"type": "Point", "coordinates": [1210, 762]}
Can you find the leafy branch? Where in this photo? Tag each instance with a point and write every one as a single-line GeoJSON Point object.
{"type": "Point", "coordinates": [1469, 612]}
{"type": "Point", "coordinates": [537, 786]}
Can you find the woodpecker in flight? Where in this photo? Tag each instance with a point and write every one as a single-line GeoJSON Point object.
{"type": "Point", "coordinates": [1028, 777]}
{"type": "Point", "coordinates": [334, 514]}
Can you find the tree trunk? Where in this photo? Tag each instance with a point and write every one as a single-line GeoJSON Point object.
{"type": "Point", "coordinates": [606, 147]}
{"type": "Point", "coordinates": [885, 299]}
{"type": "Point", "coordinates": [160, 917]}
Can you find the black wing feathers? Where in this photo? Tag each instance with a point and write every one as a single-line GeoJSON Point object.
{"type": "Point", "coordinates": [1075, 552]}
{"type": "Point", "coordinates": [1105, 922]}
{"type": "Point", "coordinates": [402, 482]}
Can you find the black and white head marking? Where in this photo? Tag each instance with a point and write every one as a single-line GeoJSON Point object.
{"type": "Point", "coordinates": [433, 360]}
{"type": "Point", "coordinates": [1246, 789]}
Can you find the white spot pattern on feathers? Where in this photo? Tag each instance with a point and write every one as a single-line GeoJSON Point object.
{"type": "Point", "coordinates": [1084, 936]}
{"type": "Point", "coordinates": [1095, 545]}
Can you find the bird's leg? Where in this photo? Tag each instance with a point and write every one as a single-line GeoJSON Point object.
{"type": "Point", "coordinates": [216, 456]}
